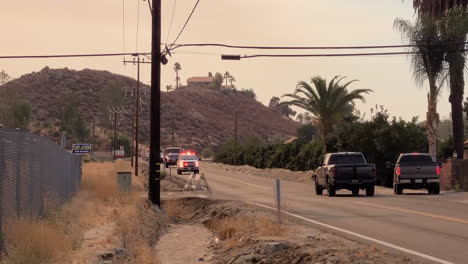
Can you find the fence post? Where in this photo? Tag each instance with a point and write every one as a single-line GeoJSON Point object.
{"type": "Point", "coordinates": [278, 199]}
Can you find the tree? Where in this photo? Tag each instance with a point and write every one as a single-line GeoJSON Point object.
{"type": "Point", "coordinates": [327, 103]}
{"type": "Point", "coordinates": [427, 64]}
{"type": "Point", "coordinates": [4, 77]}
{"type": "Point", "coordinates": [112, 95]}
{"type": "Point", "coordinates": [217, 81]}
{"type": "Point", "coordinates": [169, 88]}
{"type": "Point", "coordinates": [21, 113]}
{"type": "Point", "coordinates": [227, 75]}
{"type": "Point", "coordinates": [177, 68]}
{"type": "Point", "coordinates": [71, 121]}
{"type": "Point", "coordinates": [283, 109]}
{"type": "Point", "coordinates": [232, 79]}
{"type": "Point", "coordinates": [452, 14]}
{"type": "Point", "coordinates": [454, 28]}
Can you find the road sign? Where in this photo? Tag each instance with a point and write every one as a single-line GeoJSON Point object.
{"type": "Point", "coordinates": [81, 148]}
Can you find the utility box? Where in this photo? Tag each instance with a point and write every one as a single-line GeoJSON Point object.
{"type": "Point", "coordinates": [124, 180]}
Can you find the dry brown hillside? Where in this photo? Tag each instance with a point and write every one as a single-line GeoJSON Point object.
{"type": "Point", "coordinates": [199, 118]}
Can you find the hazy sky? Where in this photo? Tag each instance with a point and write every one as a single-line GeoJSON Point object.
{"type": "Point", "coordinates": [95, 26]}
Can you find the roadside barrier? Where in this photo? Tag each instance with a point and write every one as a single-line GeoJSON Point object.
{"type": "Point", "coordinates": [35, 175]}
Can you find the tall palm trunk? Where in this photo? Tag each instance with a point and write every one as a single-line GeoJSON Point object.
{"type": "Point", "coordinates": [432, 118]}
{"type": "Point", "coordinates": [457, 84]}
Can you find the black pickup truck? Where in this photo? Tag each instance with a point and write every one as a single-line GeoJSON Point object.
{"type": "Point", "coordinates": [345, 170]}
{"type": "Point", "coordinates": [416, 171]}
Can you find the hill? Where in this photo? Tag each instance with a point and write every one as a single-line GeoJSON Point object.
{"type": "Point", "coordinates": [193, 118]}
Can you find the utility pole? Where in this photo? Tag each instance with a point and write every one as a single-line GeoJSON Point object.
{"type": "Point", "coordinates": [114, 138]}
{"type": "Point", "coordinates": [155, 109]}
{"type": "Point", "coordinates": [137, 114]}
{"type": "Point", "coordinates": [136, 111]}
{"type": "Point", "coordinates": [235, 138]}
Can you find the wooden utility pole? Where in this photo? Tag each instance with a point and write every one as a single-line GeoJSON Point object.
{"type": "Point", "coordinates": [137, 115]}
{"type": "Point", "coordinates": [235, 138]}
{"type": "Point", "coordinates": [114, 138]}
{"type": "Point", "coordinates": [154, 174]}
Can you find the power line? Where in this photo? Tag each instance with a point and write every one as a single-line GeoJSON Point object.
{"type": "Point", "coordinates": [186, 22]}
{"type": "Point", "coordinates": [307, 47]}
{"type": "Point", "coordinates": [72, 55]}
{"type": "Point", "coordinates": [172, 19]}
{"type": "Point", "coordinates": [342, 54]}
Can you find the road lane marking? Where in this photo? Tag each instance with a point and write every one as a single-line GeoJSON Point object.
{"type": "Point", "coordinates": [409, 211]}
{"type": "Point", "coordinates": [393, 246]}
{"type": "Point", "coordinates": [251, 184]}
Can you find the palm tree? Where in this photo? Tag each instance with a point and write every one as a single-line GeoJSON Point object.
{"type": "Point", "coordinates": [427, 64]}
{"type": "Point", "coordinates": [327, 103]}
{"type": "Point", "coordinates": [232, 79]}
{"type": "Point", "coordinates": [226, 77]}
{"type": "Point", "coordinates": [437, 8]}
{"type": "Point", "coordinates": [177, 68]}
{"type": "Point", "coordinates": [455, 30]}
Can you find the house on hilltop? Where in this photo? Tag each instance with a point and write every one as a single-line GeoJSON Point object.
{"type": "Point", "coordinates": [199, 82]}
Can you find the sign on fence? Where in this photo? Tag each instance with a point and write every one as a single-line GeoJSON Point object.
{"type": "Point", "coordinates": [81, 148]}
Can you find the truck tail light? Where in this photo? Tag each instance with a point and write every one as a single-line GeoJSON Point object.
{"type": "Point", "coordinates": [398, 171]}
{"type": "Point", "coordinates": [196, 163]}
{"type": "Point", "coordinates": [374, 172]}
{"type": "Point", "coordinates": [332, 171]}
{"type": "Point", "coordinates": [181, 164]}
{"type": "Point", "coordinates": [438, 170]}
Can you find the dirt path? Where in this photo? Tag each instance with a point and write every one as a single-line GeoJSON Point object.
{"type": "Point", "coordinates": [185, 244]}
{"type": "Point", "coordinates": [96, 241]}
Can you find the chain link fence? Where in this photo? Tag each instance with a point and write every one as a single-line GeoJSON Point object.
{"type": "Point", "coordinates": [35, 173]}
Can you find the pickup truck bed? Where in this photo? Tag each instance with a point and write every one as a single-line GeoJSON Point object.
{"type": "Point", "coordinates": [348, 170]}
{"type": "Point", "coordinates": [416, 171]}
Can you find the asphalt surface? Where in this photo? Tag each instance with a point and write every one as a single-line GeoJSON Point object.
{"type": "Point", "coordinates": [434, 225]}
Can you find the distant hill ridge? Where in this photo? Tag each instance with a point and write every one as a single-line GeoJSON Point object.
{"type": "Point", "coordinates": [199, 118]}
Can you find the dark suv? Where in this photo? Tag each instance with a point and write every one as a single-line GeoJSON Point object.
{"type": "Point", "coordinates": [171, 155]}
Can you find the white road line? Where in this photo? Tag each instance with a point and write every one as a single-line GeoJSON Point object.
{"type": "Point", "coordinates": [409, 251]}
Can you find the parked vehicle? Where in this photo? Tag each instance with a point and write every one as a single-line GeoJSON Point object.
{"type": "Point", "coordinates": [187, 162]}
{"type": "Point", "coordinates": [416, 171]}
{"type": "Point", "coordinates": [171, 155]}
{"type": "Point", "coordinates": [345, 170]}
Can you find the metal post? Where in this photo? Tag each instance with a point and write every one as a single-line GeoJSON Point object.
{"type": "Point", "coordinates": [235, 138]}
{"type": "Point", "coordinates": [155, 140]}
{"type": "Point", "coordinates": [137, 115]}
{"type": "Point", "coordinates": [278, 199]}
{"type": "Point", "coordinates": [114, 141]}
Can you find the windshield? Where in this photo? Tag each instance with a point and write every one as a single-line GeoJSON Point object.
{"type": "Point", "coordinates": [188, 157]}
{"type": "Point", "coordinates": [347, 159]}
{"type": "Point", "coordinates": [177, 151]}
{"type": "Point", "coordinates": [416, 159]}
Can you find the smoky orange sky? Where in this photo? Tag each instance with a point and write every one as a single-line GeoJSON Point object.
{"type": "Point", "coordinates": [97, 26]}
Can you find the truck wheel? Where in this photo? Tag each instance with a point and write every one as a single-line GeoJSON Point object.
{"type": "Point", "coordinates": [370, 190]}
{"type": "Point", "coordinates": [433, 189]}
{"type": "Point", "coordinates": [355, 191]}
{"type": "Point", "coordinates": [331, 191]}
{"type": "Point", "coordinates": [318, 189]}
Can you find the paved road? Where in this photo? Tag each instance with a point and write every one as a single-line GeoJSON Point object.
{"type": "Point", "coordinates": [436, 225]}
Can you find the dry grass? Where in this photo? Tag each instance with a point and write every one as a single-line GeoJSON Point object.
{"type": "Point", "coordinates": [58, 235]}
{"type": "Point", "coordinates": [137, 227]}
{"type": "Point", "coordinates": [35, 242]}
{"type": "Point", "coordinates": [266, 227]}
